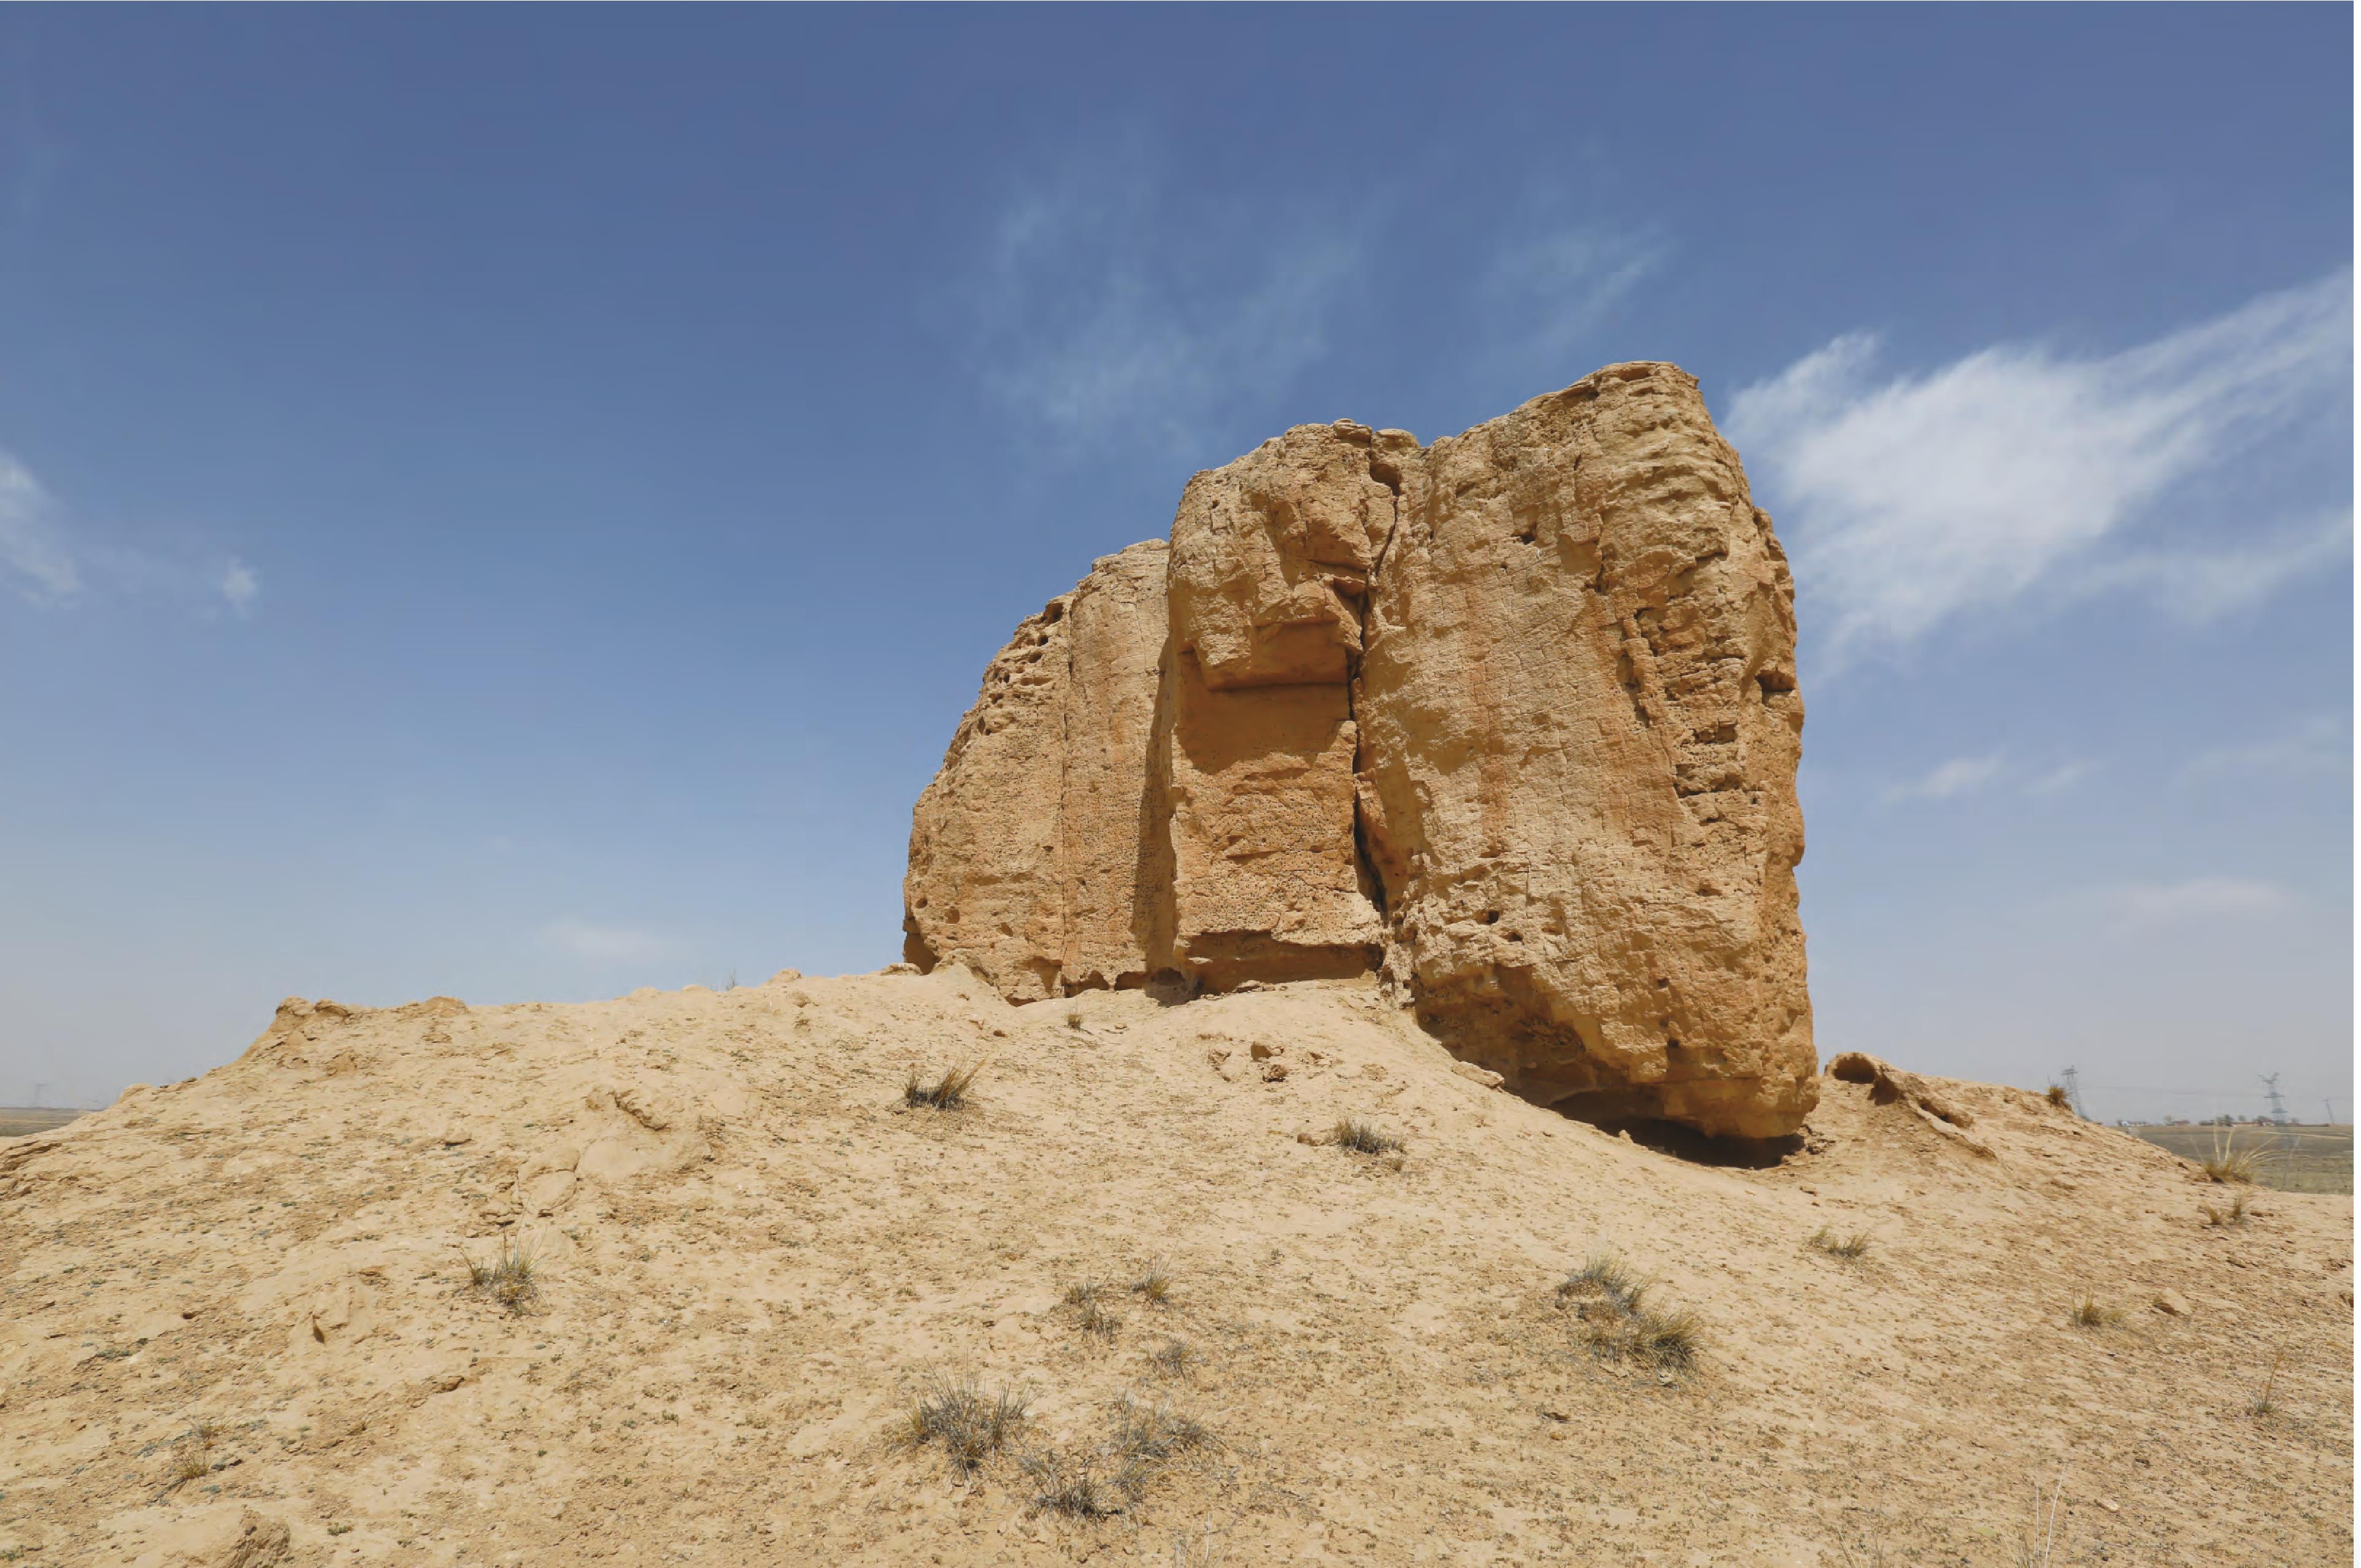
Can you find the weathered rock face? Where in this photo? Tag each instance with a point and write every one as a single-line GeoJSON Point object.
{"type": "Point", "coordinates": [1510, 719]}
{"type": "Point", "coordinates": [1038, 856]}
{"type": "Point", "coordinates": [1270, 566]}
{"type": "Point", "coordinates": [1580, 729]}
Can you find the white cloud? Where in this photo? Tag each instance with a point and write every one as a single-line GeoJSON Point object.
{"type": "Point", "coordinates": [1961, 775]}
{"type": "Point", "coordinates": [2204, 584]}
{"type": "Point", "coordinates": [2204, 898]}
{"type": "Point", "coordinates": [1910, 499]}
{"type": "Point", "coordinates": [239, 585]}
{"type": "Point", "coordinates": [32, 549]}
{"type": "Point", "coordinates": [2060, 779]}
{"type": "Point", "coordinates": [2320, 743]}
{"type": "Point", "coordinates": [46, 563]}
{"type": "Point", "coordinates": [1104, 313]}
{"type": "Point", "coordinates": [581, 940]}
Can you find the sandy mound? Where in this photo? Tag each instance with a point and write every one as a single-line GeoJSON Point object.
{"type": "Point", "coordinates": [751, 1258]}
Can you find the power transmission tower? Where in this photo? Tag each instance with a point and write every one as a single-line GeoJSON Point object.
{"type": "Point", "coordinates": [37, 1087]}
{"type": "Point", "coordinates": [2272, 1088]}
{"type": "Point", "coordinates": [2071, 1081]}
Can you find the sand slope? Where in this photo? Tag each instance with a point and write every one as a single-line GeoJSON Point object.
{"type": "Point", "coordinates": [752, 1257]}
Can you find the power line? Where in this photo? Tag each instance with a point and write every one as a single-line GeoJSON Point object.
{"type": "Point", "coordinates": [2183, 1093]}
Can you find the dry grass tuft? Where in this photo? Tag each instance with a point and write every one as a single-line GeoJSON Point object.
{"type": "Point", "coordinates": [1603, 1277]}
{"type": "Point", "coordinates": [2089, 1312]}
{"type": "Point", "coordinates": [1101, 1481]}
{"type": "Point", "coordinates": [1071, 1486]}
{"type": "Point", "coordinates": [1851, 1248]}
{"type": "Point", "coordinates": [2229, 1164]}
{"type": "Point", "coordinates": [1091, 1313]}
{"type": "Point", "coordinates": [1665, 1340]}
{"type": "Point", "coordinates": [509, 1279]}
{"type": "Point", "coordinates": [947, 1093]}
{"type": "Point", "coordinates": [2038, 1548]}
{"type": "Point", "coordinates": [1174, 1358]}
{"type": "Point", "coordinates": [1359, 1136]}
{"type": "Point", "coordinates": [971, 1425]}
{"type": "Point", "coordinates": [2263, 1404]}
{"type": "Point", "coordinates": [2058, 1097]}
{"type": "Point", "coordinates": [1154, 1433]}
{"type": "Point", "coordinates": [1205, 1552]}
{"type": "Point", "coordinates": [2237, 1214]}
{"type": "Point", "coordinates": [1609, 1302]}
{"type": "Point", "coordinates": [1154, 1285]}
{"type": "Point", "coordinates": [192, 1456]}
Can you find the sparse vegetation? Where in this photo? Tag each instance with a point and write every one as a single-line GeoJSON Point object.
{"type": "Point", "coordinates": [971, 1425]}
{"type": "Point", "coordinates": [1872, 1554]}
{"type": "Point", "coordinates": [2089, 1312]}
{"type": "Point", "coordinates": [192, 1456]}
{"type": "Point", "coordinates": [1205, 1551]}
{"type": "Point", "coordinates": [2058, 1097]}
{"type": "Point", "coordinates": [1611, 1303]}
{"type": "Point", "coordinates": [2040, 1545]}
{"type": "Point", "coordinates": [1157, 1432]}
{"type": "Point", "coordinates": [2315, 1157]}
{"type": "Point", "coordinates": [2237, 1214]}
{"type": "Point", "coordinates": [1174, 1358]}
{"type": "Point", "coordinates": [947, 1093]}
{"type": "Point", "coordinates": [509, 1279]}
{"type": "Point", "coordinates": [2263, 1404]}
{"type": "Point", "coordinates": [1091, 1313]}
{"type": "Point", "coordinates": [1851, 1248]}
{"type": "Point", "coordinates": [1667, 1340]}
{"type": "Point", "coordinates": [1073, 1017]}
{"type": "Point", "coordinates": [1064, 1484]}
{"type": "Point", "coordinates": [1154, 1285]}
{"type": "Point", "coordinates": [1099, 1482]}
{"type": "Point", "coordinates": [1603, 1277]}
{"type": "Point", "coordinates": [2228, 1163]}
{"type": "Point", "coordinates": [1361, 1137]}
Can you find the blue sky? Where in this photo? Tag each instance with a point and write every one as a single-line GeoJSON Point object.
{"type": "Point", "coordinates": [512, 502]}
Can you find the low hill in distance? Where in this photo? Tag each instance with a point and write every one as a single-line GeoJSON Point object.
{"type": "Point", "coordinates": [775, 1297]}
{"type": "Point", "coordinates": [15, 1121]}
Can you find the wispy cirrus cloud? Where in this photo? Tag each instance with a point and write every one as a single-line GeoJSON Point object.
{"type": "Point", "coordinates": [1913, 499]}
{"type": "Point", "coordinates": [1962, 776]}
{"type": "Point", "coordinates": [33, 554]}
{"type": "Point", "coordinates": [2319, 743]}
{"type": "Point", "coordinates": [585, 939]}
{"type": "Point", "coordinates": [2059, 779]}
{"type": "Point", "coordinates": [2194, 899]}
{"type": "Point", "coordinates": [1109, 307]}
{"type": "Point", "coordinates": [1558, 285]}
{"type": "Point", "coordinates": [44, 559]}
{"type": "Point", "coordinates": [1947, 781]}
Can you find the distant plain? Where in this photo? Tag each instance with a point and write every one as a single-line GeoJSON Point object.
{"type": "Point", "coordinates": [2316, 1158]}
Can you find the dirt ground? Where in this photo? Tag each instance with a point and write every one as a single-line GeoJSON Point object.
{"type": "Point", "coordinates": [237, 1327]}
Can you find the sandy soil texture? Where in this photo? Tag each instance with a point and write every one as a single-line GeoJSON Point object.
{"type": "Point", "coordinates": [238, 1326]}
